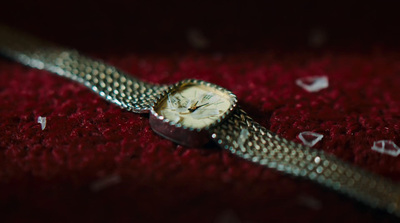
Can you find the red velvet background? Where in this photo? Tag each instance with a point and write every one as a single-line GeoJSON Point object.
{"type": "Point", "coordinates": [255, 49]}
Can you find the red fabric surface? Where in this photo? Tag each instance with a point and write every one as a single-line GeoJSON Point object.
{"type": "Point", "coordinates": [53, 175]}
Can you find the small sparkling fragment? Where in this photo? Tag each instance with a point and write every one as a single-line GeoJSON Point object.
{"type": "Point", "coordinates": [42, 121]}
{"type": "Point", "coordinates": [386, 147]}
{"type": "Point", "coordinates": [313, 84]}
{"type": "Point", "coordinates": [105, 182]}
{"type": "Point", "coordinates": [310, 138]}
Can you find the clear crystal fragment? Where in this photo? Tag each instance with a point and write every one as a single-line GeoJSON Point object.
{"type": "Point", "coordinates": [386, 147]}
{"type": "Point", "coordinates": [313, 84]}
{"type": "Point", "coordinates": [42, 121]}
{"type": "Point", "coordinates": [310, 138]}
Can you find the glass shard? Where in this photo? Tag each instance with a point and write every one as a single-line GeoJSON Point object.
{"type": "Point", "coordinates": [386, 147]}
{"type": "Point", "coordinates": [42, 121]}
{"type": "Point", "coordinates": [310, 138]}
{"type": "Point", "coordinates": [313, 84]}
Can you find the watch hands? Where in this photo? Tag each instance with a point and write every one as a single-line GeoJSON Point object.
{"type": "Point", "coordinates": [194, 108]}
{"type": "Point", "coordinates": [193, 105]}
{"type": "Point", "coordinates": [184, 106]}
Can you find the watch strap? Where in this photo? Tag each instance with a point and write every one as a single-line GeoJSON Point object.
{"type": "Point", "coordinates": [244, 137]}
{"type": "Point", "coordinates": [109, 82]}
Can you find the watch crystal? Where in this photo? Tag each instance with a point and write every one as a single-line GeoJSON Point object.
{"type": "Point", "coordinates": [195, 105]}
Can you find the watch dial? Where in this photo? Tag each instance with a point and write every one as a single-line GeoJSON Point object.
{"type": "Point", "coordinates": [195, 106]}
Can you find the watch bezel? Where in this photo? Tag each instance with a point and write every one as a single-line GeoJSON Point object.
{"type": "Point", "coordinates": [176, 86]}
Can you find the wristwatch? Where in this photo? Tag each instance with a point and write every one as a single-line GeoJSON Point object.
{"type": "Point", "coordinates": [193, 112]}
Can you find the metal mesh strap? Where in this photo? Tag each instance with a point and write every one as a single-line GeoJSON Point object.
{"type": "Point", "coordinates": [246, 138]}
{"type": "Point", "coordinates": [110, 83]}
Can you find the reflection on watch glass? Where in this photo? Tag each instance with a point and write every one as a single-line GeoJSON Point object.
{"type": "Point", "coordinates": [195, 106]}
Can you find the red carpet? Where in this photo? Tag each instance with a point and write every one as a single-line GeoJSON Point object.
{"type": "Point", "coordinates": [97, 163]}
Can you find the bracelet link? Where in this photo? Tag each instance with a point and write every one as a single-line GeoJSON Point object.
{"type": "Point", "coordinates": [265, 148]}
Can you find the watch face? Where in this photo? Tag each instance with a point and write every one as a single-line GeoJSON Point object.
{"type": "Point", "coordinates": [195, 104]}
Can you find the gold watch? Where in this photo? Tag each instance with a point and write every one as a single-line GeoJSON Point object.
{"type": "Point", "coordinates": [193, 112]}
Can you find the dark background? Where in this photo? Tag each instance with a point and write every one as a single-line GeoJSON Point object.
{"type": "Point", "coordinates": [228, 25]}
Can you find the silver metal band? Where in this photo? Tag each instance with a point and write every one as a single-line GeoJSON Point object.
{"type": "Point", "coordinates": [110, 83]}
{"type": "Point", "coordinates": [246, 138]}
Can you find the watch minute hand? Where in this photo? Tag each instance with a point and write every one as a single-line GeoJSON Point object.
{"type": "Point", "coordinates": [195, 108]}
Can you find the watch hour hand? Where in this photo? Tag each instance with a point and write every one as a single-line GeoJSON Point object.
{"type": "Point", "coordinates": [192, 109]}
